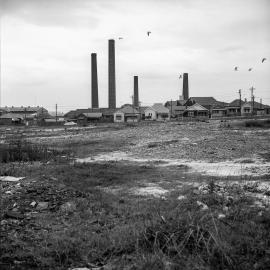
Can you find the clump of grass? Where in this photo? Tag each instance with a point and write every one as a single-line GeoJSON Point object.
{"type": "Point", "coordinates": [23, 151]}
{"type": "Point", "coordinates": [196, 239]}
{"type": "Point", "coordinates": [152, 145]}
{"type": "Point", "coordinates": [154, 234]}
{"type": "Point", "coordinates": [151, 233]}
{"type": "Point", "coordinates": [258, 123]}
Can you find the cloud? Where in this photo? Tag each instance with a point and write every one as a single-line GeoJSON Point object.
{"type": "Point", "coordinates": [231, 48]}
{"type": "Point", "coordinates": [65, 13]}
{"type": "Point", "coordinates": [51, 41]}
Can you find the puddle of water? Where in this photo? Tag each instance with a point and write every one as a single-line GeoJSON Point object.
{"type": "Point", "coordinates": [253, 167]}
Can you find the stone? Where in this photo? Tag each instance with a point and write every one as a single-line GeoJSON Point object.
{"type": "Point", "coordinates": [3, 222]}
{"type": "Point", "coordinates": [42, 206]}
{"type": "Point", "coordinates": [221, 216]}
{"type": "Point", "coordinates": [203, 205]}
{"type": "Point", "coordinates": [80, 268]}
{"type": "Point", "coordinates": [68, 207]}
{"type": "Point", "coordinates": [196, 192]}
{"type": "Point", "coordinates": [14, 215]}
{"type": "Point", "coordinates": [33, 204]}
{"type": "Point", "coordinates": [10, 178]}
{"type": "Point", "coordinates": [170, 266]}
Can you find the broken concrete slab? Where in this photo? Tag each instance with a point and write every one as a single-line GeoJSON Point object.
{"type": "Point", "coordinates": [11, 178]}
{"type": "Point", "coordinates": [68, 207]}
{"type": "Point", "coordinates": [42, 206]}
{"type": "Point", "coordinates": [33, 204]}
{"type": "Point", "coordinates": [14, 215]}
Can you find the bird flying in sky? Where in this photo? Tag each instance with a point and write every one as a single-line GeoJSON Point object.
{"type": "Point", "coordinates": [249, 69]}
{"type": "Point", "coordinates": [120, 38]}
{"type": "Point", "coordinates": [148, 33]}
{"type": "Point", "coordinates": [263, 60]}
{"type": "Point", "coordinates": [236, 69]}
{"type": "Point", "coordinates": [180, 77]}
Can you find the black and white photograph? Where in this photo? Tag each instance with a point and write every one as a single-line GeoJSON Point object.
{"type": "Point", "coordinates": [134, 134]}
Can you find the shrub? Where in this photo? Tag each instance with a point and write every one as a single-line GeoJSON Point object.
{"type": "Point", "coordinates": [21, 150]}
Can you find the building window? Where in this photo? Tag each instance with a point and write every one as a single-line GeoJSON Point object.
{"type": "Point", "coordinates": [118, 117]}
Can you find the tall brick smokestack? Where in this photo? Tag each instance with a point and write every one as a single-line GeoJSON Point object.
{"type": "Point", "coordinates": [112, 94]}
{"type": "Point", "coordinates": [94, 81]}
{"type": "Point", "coordinates": [136, 92]}
{"type": "Point", "coordinates": [185, 86]}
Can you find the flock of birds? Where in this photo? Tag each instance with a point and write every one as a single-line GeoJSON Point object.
{"type": "Point", "coordinates": [180, 76]}
{"type": "Point", "coordinates": [236, 68]}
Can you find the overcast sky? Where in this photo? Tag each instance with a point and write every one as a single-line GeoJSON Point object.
{"type": "Point", "coordinates": [47, 45]}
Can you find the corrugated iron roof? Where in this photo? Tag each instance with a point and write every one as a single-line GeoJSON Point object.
{"type": "Point", "coordinates": [75, 113]}
{"type": "Point", "coordinates": [23, 109]}
{"type": "Point", "coordinates": [12, 116]}
{"type": "Point", "coordinates": [129, 110]}
{"type": "Point", "coordinates": [257, 105]}
{"type": "Point", "coordinates": [235, 103]}
{"type": "Point", "coordinates": [196, 107]}
{"type": "Point", "coordinates": [93, 115]}
{"type": "Point", "coordinates": [142, 109]}
{"type": "Point", "coordinates": [159, 108]}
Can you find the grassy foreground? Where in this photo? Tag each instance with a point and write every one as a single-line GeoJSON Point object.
{"type": "Point", "coordinates": [85, 226]}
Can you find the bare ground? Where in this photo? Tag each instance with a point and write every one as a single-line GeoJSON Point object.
{"type": "Point", "coordinates": [122, 191]}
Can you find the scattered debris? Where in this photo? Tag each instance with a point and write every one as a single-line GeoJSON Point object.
{"type": "Point", "coordinates": [221, 216]}
{"type": "Point", "coordinates": [153, 190]}
{"type": "Point", "coordinates": [223, 169]}
{"type": "Point", "coordinates": [203, 205]}
{"type": "Point", "coordinates": [42, 206]}
{"type": "Point", "coordinates": [14, 214]}
{"type": "Point", "coordinates": [68, 207]}
{"type": "Point", "coordinates": [80, 268]}
{"type": "Point", "coordinates": [33, 204]}
{"type": "Point", "coordinates": [11, 178]}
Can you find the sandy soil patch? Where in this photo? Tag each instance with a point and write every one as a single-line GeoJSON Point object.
{"type": "Point", "coordinates": [238, 167]}
{"type": "Point", "coordinates": [151, 190]}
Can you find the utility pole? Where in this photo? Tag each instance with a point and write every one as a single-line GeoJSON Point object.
{"type": "Point", "coordinates": [171, 107]}
{"type": "Point", "coordinates": [240, 101]}
{"type": "Point", "coordinates": [56, 113]}
{"type": "Point", "coordinates": [252, 99]}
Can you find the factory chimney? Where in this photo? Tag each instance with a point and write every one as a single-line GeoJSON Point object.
{"type": "Point", "coordinates": [94, 81]}
{"type": "Point", "coordinates": [136, 92]}
{"type": "Point", "coordinates": [185, 86]}
{"type": "Point", "coordinates": [112, 94]}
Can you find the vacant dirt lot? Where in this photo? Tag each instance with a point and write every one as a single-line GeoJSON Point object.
{"type": "Point", "coordinates": [144, 196]}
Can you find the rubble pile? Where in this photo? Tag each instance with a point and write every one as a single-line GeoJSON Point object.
{"type": "Point", "coordinates": [26, 202]}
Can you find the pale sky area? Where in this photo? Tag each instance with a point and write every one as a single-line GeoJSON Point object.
{"type": "Point", "coordinates": [46, 48]}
